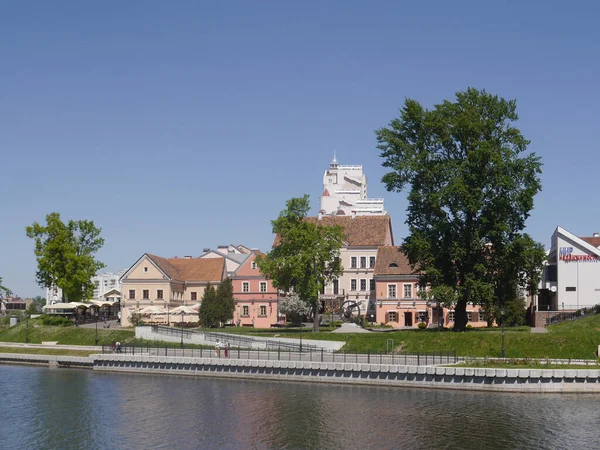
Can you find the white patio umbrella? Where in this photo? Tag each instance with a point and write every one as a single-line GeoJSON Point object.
{"type": "Point", "coordinates": [184, 309]}
{"type": "Point", "coordinates": [152, 310]}
{"type": "Point", "coordinates": [196, 307]}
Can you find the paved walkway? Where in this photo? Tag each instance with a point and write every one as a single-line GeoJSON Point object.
{"type": "Point", "coordinates": [112, 323]}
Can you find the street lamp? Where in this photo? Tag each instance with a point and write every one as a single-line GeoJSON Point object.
{"type": "Point", "coordinates": [96, 313]}
{"type": "Point", "coordinates": [502, 314]}
{"type": "Point", "coordinates": [182, 313]}
{"type": "Point", "coordinates": [26, 327]}
{"type": "Point", "coordinates": [300, 336]}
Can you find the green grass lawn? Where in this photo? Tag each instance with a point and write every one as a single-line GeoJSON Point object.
{"type": "Point", "coordinates": [64, 335]}
{"type": "Point", "coordinates": [571, 340]}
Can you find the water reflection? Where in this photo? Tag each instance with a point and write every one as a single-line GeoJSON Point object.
{"type": "Point", "coordinates": [64, 408]}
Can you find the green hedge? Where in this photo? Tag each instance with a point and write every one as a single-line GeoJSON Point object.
{"type": "Point", "coordinates": [56, 321]}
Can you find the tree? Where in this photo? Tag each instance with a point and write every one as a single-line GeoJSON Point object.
{"type": "Point", "coordinates": [39, 302]}
{"type": "Point", "coordinates": [305, 255]}
{"type": "Point", "coordinates": [65, 255]}
{"type": "Point", "coordinates": [294, 308]}
{"type": "Point", "coordinates": [208, 314]}
{"type": "Point", "coordinates": [470, 190]}
{"type": "Point", "coordinates": [4, 291]}
{"type": "Point", "coordinates": [224, 303]}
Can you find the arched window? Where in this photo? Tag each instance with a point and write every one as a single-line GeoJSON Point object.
{"type": "Point", "coordinates": [393, 265]}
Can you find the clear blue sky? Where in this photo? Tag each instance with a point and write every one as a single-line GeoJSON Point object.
{"type": "Point", "coordinates": [182, 125]}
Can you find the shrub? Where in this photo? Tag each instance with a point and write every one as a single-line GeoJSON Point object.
{"type": "Point", "coordinates": [422, 325]}
{"type": "Point", "coordinates": [56, 321]}
{"type": "Point", "coordinates": [469, 326]}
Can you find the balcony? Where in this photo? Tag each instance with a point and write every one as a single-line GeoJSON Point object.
{"type": "Point", "coordinates": [330, 293]}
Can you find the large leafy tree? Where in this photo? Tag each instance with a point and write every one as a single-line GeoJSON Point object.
{"type": "Point", "coordinates": [471, 187]}
{"type": "Point", "coordinates": [225, 302]}
{"type": "Point", "coordinates": [66, 255]}
{"type": "Point", "coordinates": [305, 255]}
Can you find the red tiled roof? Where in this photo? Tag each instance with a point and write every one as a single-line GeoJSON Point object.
{"type": "Point", "coordinates": [392, 256]}
{"type": "Point", "coordinates": [191, 269]}
{"type": "Point", "coordinates": [593, 241]}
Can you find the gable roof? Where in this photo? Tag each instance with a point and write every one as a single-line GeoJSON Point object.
{"type": "Point", "coordinates": [593, 241]}
{"type": "Point", "coordinates": [391, 255]}
{"type": "Point", "coordinates": [360, 231]}
{"type": "Point", "coordinates": [581, 241]}
{"type": "Point", "coordinates": [246, 261]}
{"type": "Point", "coordinates": [190, 269]}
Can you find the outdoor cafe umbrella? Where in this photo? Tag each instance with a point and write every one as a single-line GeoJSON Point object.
{"type": "Point", "coordinates": [183, 309]}
{"type": "Point", "coordinates": [152, 310]}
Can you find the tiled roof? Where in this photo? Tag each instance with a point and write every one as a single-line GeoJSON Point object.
{"type": "Point", "coordinates": [593, 241]}
{"type": "Point", "coordinates": [360, 231]}
{"type": "Point", "coordinates": [191, 269]}
{"type": "Point", "coordinates": [393, 256]}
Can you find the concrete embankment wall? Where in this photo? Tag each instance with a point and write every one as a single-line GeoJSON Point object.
{"type": "Point", "coordinates": [47, 360]}
{"type": "Point", "coordinates": [500, 380]}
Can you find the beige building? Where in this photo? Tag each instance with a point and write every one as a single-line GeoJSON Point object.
{"type": "Point", "coordinates": [168, 282]}
{"type": "Point", "coordinates": [363, 236]}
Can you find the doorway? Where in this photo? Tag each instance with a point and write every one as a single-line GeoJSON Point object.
{"type": "Point", "coordinates": [408, 319]}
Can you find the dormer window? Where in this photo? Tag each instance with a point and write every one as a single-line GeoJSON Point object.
{"type": "Point", "coordinates": [393, 265]}
{"type": "Point", "coordinates": [253, 265]}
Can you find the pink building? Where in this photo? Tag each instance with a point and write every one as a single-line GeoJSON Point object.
{"type": "Point", "coordinates": [398, 302]}
{"type": "Point", "coordinates": [256, 300]}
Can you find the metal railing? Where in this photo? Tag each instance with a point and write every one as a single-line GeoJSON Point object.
{"type": "Point", "coordinates": [284, 354]}
{"type": "Point", "coordinates": [572, 315]}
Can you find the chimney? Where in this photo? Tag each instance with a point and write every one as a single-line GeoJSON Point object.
{"type": "Point", "coordinates": [596, 234]}
{"type": "Point", "coordinates": [320, 215]}
{"type": "Point", "coordinates": [188, 256]}
{"type": "Point", "coordinates": [354, 214]}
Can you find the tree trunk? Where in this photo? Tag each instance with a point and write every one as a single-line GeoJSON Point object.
{"type": "Point", "coordinates": [316, 320]}
{"type": "Point", "coordinates": [460, 316]}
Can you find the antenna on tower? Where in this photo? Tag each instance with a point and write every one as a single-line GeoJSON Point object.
{"type": "Point", "coordinates": [334, 161]}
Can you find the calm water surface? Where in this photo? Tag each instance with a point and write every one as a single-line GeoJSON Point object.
{"type": "Point", "coordinates": [45, 408]}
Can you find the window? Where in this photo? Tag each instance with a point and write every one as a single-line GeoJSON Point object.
{"type": "Point", "coordinates": [263, 286]}
{"type": "Point", "coordinates": [392, 316]}
{"type": "Point", "coordinates": [336, 287]}
{"type": "Point", "coordinates": [159, 294]}
{"type": "Point", "coordinates": [391, 291]}
{"type": "Point", "coordinates": [263, 311]}
{"type": "Point", "coordinates": [570, 288]}
{"type": "Point", "coordinates": [551, 273]}
{"type": "Point", "coordinates": [372, 284]}
{"type": "Point", "coordinates": [371, 261]}
{"type": "Point", "coordinates": [363, 285]}
{"type": "Point", "coordinates": [451, 316]}
{"type": "Point", "coordinates": [145, 294]}
{"type": "Point", "coordinates": [194, 296]}
{"type": "Point", "coordinates": [483, 316]}
{"type": "Point", "coordinates": [353, 285]}
{"type": "Point", "coordinates": [353, 262]}
{"type": "Point", "coordinates": [393, 266]}
{"type": "Point", "coordinates": [422, 316]}
{"type": "Point", "coordinates": [245, 286]}
{"type": "Point", "coordinates": [469, 316]}
{"type": "Point", "coordinates": [245, 311]}
{"type": "Point", "coordinates": [363, 262]}
{"type": "Point", "coordinates": [132, 294]}
{"type": "Point", "coordinates": [145, 270]}
{"type": "Point", "coordinates": [407, 290]}
{"type": "Point", "coordinates": [253, 265]}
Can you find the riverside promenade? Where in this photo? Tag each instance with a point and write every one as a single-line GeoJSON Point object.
{"type": "Point", "coordinates": [375, 373]}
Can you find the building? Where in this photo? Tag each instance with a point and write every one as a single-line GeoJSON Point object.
{"type": "Point", "coordinates": [13, 304]}
{"type": "Point", "coordinates": [168, 282]}
{"type": "Point", "coordinates": [571, 277]}
{"type": "Point", "coordinates": [103, 283]}
{"type": "Point", "coordinates": [397, 296]}
{"type": "Point", "coordinates": [256, 300]}
{"type": "Point", "coordinates": [363, 235]}
{"type": "Point", "coordinates": [345, 192]}
{"type": "Point", "coordinates": [234, 255]}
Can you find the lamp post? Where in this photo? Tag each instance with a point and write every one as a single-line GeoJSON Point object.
{"type": "Point", "coordinates": [502, 314]}
{"type": "Point", "coordinates": [26, 327]}
{"type": "Point", "coordinates": [300, 336]}
{"type": "Point", "coordinates": [182, 313]}
{"type": "Point", "coordinates": [96, 313]}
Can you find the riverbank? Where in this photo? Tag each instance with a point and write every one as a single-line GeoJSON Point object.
{"type": "Point", "coordinates": [396, 375]}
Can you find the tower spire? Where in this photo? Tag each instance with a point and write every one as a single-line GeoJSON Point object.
{"type": "Point", "coordinates": [334, 161]}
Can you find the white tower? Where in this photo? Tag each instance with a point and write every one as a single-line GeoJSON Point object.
{"type": "Point", "coordinates": [345, 192]}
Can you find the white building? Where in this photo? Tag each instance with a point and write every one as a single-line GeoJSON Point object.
{"type": "Point", "coordinates": [345, 192]}
{"type": "Point", "coordinates": [571, 278]}
{"type": "Point", "coordinates": [103, 284]}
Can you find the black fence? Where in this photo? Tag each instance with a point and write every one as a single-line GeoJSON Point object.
{"type": "Point", "coordinates": [573, 315]}
{"type": "Point", "coordinates": [283, 354]}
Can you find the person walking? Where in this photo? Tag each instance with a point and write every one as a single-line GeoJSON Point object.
{"type": "Point", "coordinates": [226, 349]}
{"type": "Point", "coordinates": [218, 349]}
{"type": "Point", "coordinates": [119, 318]}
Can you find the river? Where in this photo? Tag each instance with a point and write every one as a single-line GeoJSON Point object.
{"type": "Point", "coordinates": [46, 408]}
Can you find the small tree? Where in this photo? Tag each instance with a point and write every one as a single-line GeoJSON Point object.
{"type": "Point", "coordinates": [224, 301]}
{"type": "Point", "coordinates": [4, 291]}
{"type": "Point", "coordinates": [294, 308]}
{"type": "Point", "coordinates": [208, 314]}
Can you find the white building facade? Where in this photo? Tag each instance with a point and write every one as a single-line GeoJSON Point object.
{"type": "Point", "coordinates": [345, 192]}
{"type": "Point", "coordinates": [103, 283]}
{"type": "Point", "coordinates": [571, 277]}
